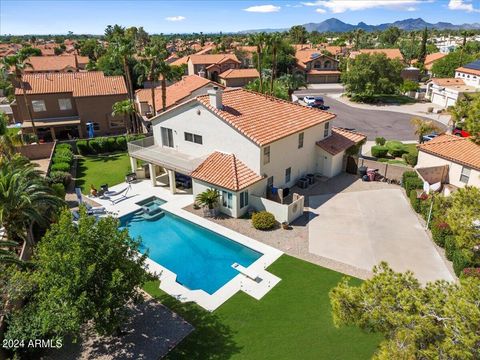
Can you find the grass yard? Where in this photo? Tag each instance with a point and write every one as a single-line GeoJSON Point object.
{"type": "Point", "coordinates": [102, 169]}
{"type": "Point", "coordinates": [293, 321]}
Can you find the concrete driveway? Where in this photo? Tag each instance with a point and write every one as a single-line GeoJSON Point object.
{"type": "Point", "coordinates": [363, 228]}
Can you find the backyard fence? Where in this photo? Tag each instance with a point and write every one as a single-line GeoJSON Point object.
{"type": "Point", "coordinates": [390, 171]}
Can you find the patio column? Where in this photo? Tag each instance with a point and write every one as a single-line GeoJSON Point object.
{"type": "Point", "coordinates": [133, 164]}
{"type": "Point", "coordinates": [52, 131]}
{"type": "Point", "coordinates": [153, 174]}
{"type": "Point", "coordinates": [171, 181]}
{"type": "Point", "coordinates": [80, 131]}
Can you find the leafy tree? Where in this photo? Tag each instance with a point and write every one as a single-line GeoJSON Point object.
{"type": "Point", "coordinates": [445, 67]}
{"type": "Point", "coordinates": [438, 321]}
{"type": "Point", "coordinates": [390, 36]}
{"type": "Point", "coordinates": [124, 108]}
{"type": "Point", "coordinates": [26, 52]}
{"type": "Point", "coordinates": [409, 85]}
{"type": "Point", "coordinates": [293, 82]}
{"type": "Point", "coordinates": [298, 34]}
{"type": "Point", "coordinates": [410, 48]}
{"type": "Point", "coordinates": [422, 54]}
{"type": "Point", "coordinates": [358, 34]}
{"type": "Point", "coordinates": [423, 127]}
{"type": "Point", "coordinates": [73, 285]}
{"type": "Point", "coordinates": [472, 121]}
{"type": "Point", "coordinates": [371, 74]}
{"type": "Point", "coordinates": [92, 49]}
{"type": "Point", "coordinates": [209, 198]}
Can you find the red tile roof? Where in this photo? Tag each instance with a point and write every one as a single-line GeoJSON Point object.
{"type": "Point", "coordinates": [468, 71]}
{"type": "Point", "coordinates": [239, 74]}
{"type": "Point", "coordinates": [454, 148]}
{"type": "Point", "coordinates": [226, 171]}
{"type": "Point", "coordinates": [80, 84]}
{"type": "Point", "coordinates": [447, 81]}
{"type": "Point", "coordinates": [305, 56]}
{"type": "Point", "coordinates": [212, 58]}
{"type": "Point", "coordinates": [55, 63]}
{"type": "Point", "coordinates": [390, 53]}
{"type": "Point", "coordinates": [264, 119]}
{"type": "Point", "coordinates": [175, 92]}
{"type": "Point", "coordinates": [340, 140]}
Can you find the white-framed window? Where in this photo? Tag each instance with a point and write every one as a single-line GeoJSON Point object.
{"type": "Point", "coordinates": [65, 104]}
{"type": "Point", "coordinates": [266, 155]}
{"type": "Point", "coordinates": [300, 140]}
{"type": "Point", "coordinates": [317, 65]}
{"type": "Point", "coordinates": [288, 175]}
{"type": "Point", "coordinates": [227, 199]}
{"type": "Point", "coordinates": [167, 137]}
{"type": "Point", "coordinates": [197, 139]}
{"type": "Point", "coordinates": [325, 131]}
{"type": "Point", "coordinates": [243, 199]}
{"type": "Point", "coordinates": [38, 105]}
{"type": "Point", "coordinates": [465, 175]}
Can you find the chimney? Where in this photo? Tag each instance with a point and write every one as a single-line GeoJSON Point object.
{"type": "Point", "coordinates": [215, 97]}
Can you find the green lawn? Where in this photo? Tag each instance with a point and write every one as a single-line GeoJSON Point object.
{"type": "Point", "coordinates": [101, 169]}
{"type": "Point", "coordinates": [293, 321]}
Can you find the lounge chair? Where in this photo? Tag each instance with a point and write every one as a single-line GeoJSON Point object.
{"type": "Point", "coordinates": [121, 193]}
{"type": "Point", "coordinates": [90, 209]}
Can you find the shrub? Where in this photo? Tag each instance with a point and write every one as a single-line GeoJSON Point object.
{"type": "Point", "coordinates": [59, 190]}
{"type": "Point", "coordinates": [111, 144]}
{"type": "Point", "coordinates": [471, 272]}
{"type": "Point", "coordinates": [461, 260]}
{"type": "Point", "coordinates": [395, 148]}
{"type": "Point", "coordinates": [64, 152]}
{"type": "Point", "coordinates": [412, 183]}
{"type": "Point", "coordinates": [82, 146]}
{"type": "Point", "coordinates": [263, 220]}
{"type": "Point", "coordinates": [449, 246]}
{"type": "Point", "coordinates": [379, 151]}
{"type": "Point", "coordinates": [121, 143]}
{"type": "Point", "coordinates": [410, 159]}
{"type": "Point", "coordinates": [62, 159]}
{"type": "Point", "coordinates": [94, 146]}
{"type": "Point", "coordinates": [414, 201]}
{"type": "Point", "coordinates": [102, 145]}
{"type": "Point", "coordinates": [440, 230]}
{"type": "Point", "coordinates": [408, 174]}
{"type": "Point", "coordinates": [380, 141]}
{"type": "Point", "coordinates": [60, 177]}
{"type": "Point", "coordinates": [64, 146]}
{"type": "Point", "coordinates": [61, 166]}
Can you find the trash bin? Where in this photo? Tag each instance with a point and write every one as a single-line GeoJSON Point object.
{"type": "Point", "coordinates": [362, 170]}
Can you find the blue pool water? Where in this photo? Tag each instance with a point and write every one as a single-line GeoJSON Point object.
{"type": "Point", "coordinates": [201, 258]}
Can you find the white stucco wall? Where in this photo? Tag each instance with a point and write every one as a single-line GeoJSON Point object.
{"type": "Point", "coordinates": [329, 165]}
{"type": "Point", "coordinates": [469, 79]}
{"type": "Point", "coordinates": [454, 169]}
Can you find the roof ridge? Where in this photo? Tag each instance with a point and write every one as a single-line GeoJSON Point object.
{"type": "Point", "coordinates": [235, 171]}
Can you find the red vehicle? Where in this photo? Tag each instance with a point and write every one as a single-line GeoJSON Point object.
{"type": "Point", "coordinates": [460, 132]}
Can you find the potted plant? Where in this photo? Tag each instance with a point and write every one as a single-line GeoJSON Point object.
{"type": "Point", "coordinates": [209, 200]}
{"type": "Point", "coordinates": [285, 225]}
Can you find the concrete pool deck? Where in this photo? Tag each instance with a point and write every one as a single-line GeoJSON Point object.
{"type": "Point", "coordinates": [175, 203]}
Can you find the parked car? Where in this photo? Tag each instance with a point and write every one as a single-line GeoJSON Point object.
{"type": "Point", "coordinates": [309, 100]}
{"type": "Point", "coordinates": [429, 137]}
{"type": "Point", "coordinates": [321, 107]}
{"type": "Point", "coordinates": [460, 132]}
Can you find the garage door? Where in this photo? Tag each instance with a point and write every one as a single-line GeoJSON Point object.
{"type": "Point", "coordinates": [451, 102]}
{"type": "Point", "coordinates": [438, 99]}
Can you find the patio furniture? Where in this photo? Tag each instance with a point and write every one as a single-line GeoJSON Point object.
{"type": "Point", "coordinates": [121, 193]}
{"type": "Point", "coordinates": [131, 177]}
{"type": "Point", "coordinates": [183, 181]}
{"type": "Point", "coordinates": [90, 209]}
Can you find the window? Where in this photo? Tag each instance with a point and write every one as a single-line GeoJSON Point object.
{"type": "Point", "coordinates": [465, 175]}
{"type": "Point", "coordinates": [270, 182]}
{"type": "Point", "coordinates": [300, 140]}
{"type": "Point", "coordinates": [243, 199]}
{"type": "Point", "coordinates": [38, 105]}
{"type": "Point", "coordinates": [227, 198]}
{"type": "Point", "coordinates": [325, 132]}
{"type": "Point", "coordinates": [115, 123]}
{"type": "Point", "coordinates": [197, 139]}
{"type": "Point", "coordinates": [266, 155]}
{"type": "Point", "coordinates": [317, 65]}
{"type": "Point", "coordinates": [288, 175]}
{"type": "Point", "coordinates": [65, 104]}
{"type": "Point", "coordinates": [327, 64]}
{"type": "Point", "coordinates": [167, 137]}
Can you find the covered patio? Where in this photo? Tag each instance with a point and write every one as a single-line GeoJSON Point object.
{"type": "Point", "coordinates": [56, 127]}
{"type": "Point", "coordinates": [166, 166]}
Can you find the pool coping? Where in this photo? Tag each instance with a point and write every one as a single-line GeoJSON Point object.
{"type": "Point", "coordinates": [175, 204]}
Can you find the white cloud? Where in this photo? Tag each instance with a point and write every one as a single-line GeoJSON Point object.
{"type": "Point", "coordinates": [263, 8]}
{"type": "Point", "coordinates": [411, 8]}
{"type": "Point", "coordinates": [321, 11]}
{"type": "Point", "coordinates": [462, 5]}
{"type": "Point", "coordinates": [340, 6]}
{"type": "Point", "coordinates": [175, 18]}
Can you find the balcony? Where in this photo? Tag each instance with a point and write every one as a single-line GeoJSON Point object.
{"type": "Point", "coordinates": [169, 158]}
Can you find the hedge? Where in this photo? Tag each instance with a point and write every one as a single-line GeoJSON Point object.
{"type": "Point", "coordinates": [395, 148]}
{"type": "Point", "coordinates": [64, 146]}
{"type": "Point", "coordinates": [82, 147]}
{"type": "Point", "coordinates": [410, 159]}
{"type": "Point", "coordinates": [440, 230]}
{"type": "Point", "coordinates": [449, 246]}
{"type": "Point", "coordinates": [461, 260]}
{"type": "Point", "coordinates": [379, 151]}
{"type": "Point", "coordinates": [413, 183]}
{"type": "Point", "coordinates": [414, 201]}
{"type": "Point", "coordinates": [61, 166]}
{"type": "Point", "coordinates": [102, 145]}
{"type": "Point", "coordinates": [59, 190]}
{"type": "Point", "coordinates": [121, 143]}
{"type": "Point", "coordinates": [60, 177]}
{"type": "Point", "coordinates": [380, 141]}
{"type": "Point", "coordinates": [263, 220]}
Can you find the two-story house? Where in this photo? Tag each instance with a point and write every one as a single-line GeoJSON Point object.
{"type": "Point", "coordinates": [61, 63]}
{"type": "Point", "coordinates": [244, 144]}
{"type": "Point", "coordinates": [317, 67]}
{"type": "Point", "coordinates": [61, 104]}
{"type": "Point", "coordinates": [211, 65]}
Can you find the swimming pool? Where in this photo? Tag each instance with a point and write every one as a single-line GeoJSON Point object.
{"type": "Point", "coordinates": [201, 259]}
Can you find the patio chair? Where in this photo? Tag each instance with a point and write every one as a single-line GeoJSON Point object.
{"type": "Point", "coordinates": [90, 209]}
{"type": "Point", "coordinates": [121, 193]}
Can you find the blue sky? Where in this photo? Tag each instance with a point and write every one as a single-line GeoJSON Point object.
{"type": "Point", "coordinates": [59, 17]}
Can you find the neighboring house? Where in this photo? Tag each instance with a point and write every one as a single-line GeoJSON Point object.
{"type": "Point", "coordinates": [431, 59]}
{"type": "Point", "coordinates": [211, 65]}
{"type": "Point", "coordinates": [317, 67]}
{"type": "Point", "coordinates": [451, 160]}
{"type": "Point", "coordinates": [63, 103]}
{"type": "Point", "coordinates": [190, 86]}
{"type": "Point", "coordinates": [237, 77]}
{"type": "Point", "coordinates": [447, 91]}
{"type": "Point", "coordinates": [389, 53]}
{"type": "Point", "coordinates": [62, 63]}
{"type": "Point", "coordinates": [245, 54]}
{"type": "Point", "coordinates": [252, 148]}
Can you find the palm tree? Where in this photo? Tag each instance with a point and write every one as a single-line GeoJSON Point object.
{"type": "Point", "coordinates": [7, 141]}
{"type": "Point", "coordinates": [358, 36]}
{"type": "Point", "coordinates": [18, 65]}
{"type": "Point", "coordinates": [423, 127]}
{"type": "Point", "coordinates": [459, 111]}
{"type": "Point", "coordinates": [259, 41]}
{"type": "Point", "coordinates": [209, 198]}
{"type": "Point", "coordinates": [168, 73]}
{"type": "Point", "coordinates": [293, 82]}
{"type": "Point", "coordinates": [124, 108]}
{"type": "Point", "coordinates": [274, 41]}
{"type": "Point", "coordinates": [7, 252]}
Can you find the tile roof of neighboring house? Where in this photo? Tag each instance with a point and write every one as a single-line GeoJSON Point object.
{"type": "Point", "coordinates": [466, 70]}
{"type": "Point", "coordinates": [175, 92]}
{"type": "Point", "coordinates": [454, 148]}
{"type": "Point", "coordinates": [247, 48]}
{"type": "Point", "coordinates": [47, 49]}
{"type": "Point", "coordinates": [340, 140]}
{"type": "Point", "coordinates": [264, 119]}
{"type": "Point", "coordinates": [80, 84]}
{"type": "Point", "coordinates": [305, 56]}
{"type": "Point", "coordinates": [181, 61]}
{"type": "Point", "coordinates": [323, 72]}
{"type": "Point", "coordinates": [390, 53]}
{"type": "Point", "coordinates": [447, 81]}
{"type": "Point", "coordinates": [55, 63]}
{"type": "Point", "coordinates": [431, 58]}
{"type": "Point", "coordinates": [239, 74]}
{"type": "Point", "coordinates": [226, 171]}
{"type": "Point", "coordinates": [212, 58]}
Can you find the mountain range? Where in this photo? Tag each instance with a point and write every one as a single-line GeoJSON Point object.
{"type": "Point", "coordinates": [335, 25]}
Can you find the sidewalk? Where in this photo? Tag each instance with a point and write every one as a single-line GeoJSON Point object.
{"type": "Point", "coordinates": [417, 109]}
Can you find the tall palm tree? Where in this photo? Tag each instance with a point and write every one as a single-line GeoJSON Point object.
{"type": "Point", "coordinates": [459, 111]}
{"type": "Point", "coordinates": [358, 36]}
{"type": "Point", "coordinates": [293, 82]}
{"type": "Point", "coordinates": [258, 40]}
{"type": "Point", "coordinates": [7, 141]}
{"type": "Point", "coordinates": [274, 41]}
{"type": "Point", "coordinates": [125, 108]}
{"type": "Point", "coordinates": [25, 199]}
{"type": "Point", "coordinates": [16, 65]}
{"type": "Point", "coordinates": [423, 127]}
{"type": "Point", "coordinates": [168, 73]}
